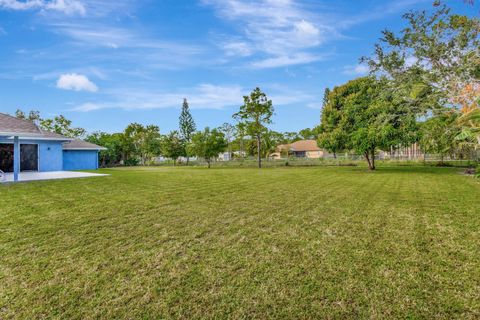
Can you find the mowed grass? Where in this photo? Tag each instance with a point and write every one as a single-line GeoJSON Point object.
{"type": "Point", "coordinates": [324, 242]}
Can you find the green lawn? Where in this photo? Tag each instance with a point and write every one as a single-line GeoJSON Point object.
{"type": "Point", "coordinates": [322, 242]}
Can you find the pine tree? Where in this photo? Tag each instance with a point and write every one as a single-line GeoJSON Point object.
{"type": "Point", "coordinates": [325, 96]}
{"type": "Point", "coordinates": [187, 125]}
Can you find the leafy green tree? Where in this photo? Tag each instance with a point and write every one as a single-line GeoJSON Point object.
{"type": "Point", "coordinates": [369, 118]}
{"type": "Point", "coordinates": [438, 134]}
{"type": "Point", "coordinates": [187, 125]}
{"type": "Point", "coordinates": [271, 140]}
{"type": "Point", "coordinates": [256, 113]}
{"type": "Point", "coordinates": [63, 126]}
{"type": "Point", "coordinates": [309, 134]}
{"type": "Point", "coordinates": [173, 146]}
{"type": "Point", "coordinates": [113, 143]}
{"type": "Point", "coordinates": [333, 141]}
{"type": "Point", "coordinates": [142, 142]}
{"type": "Point", "coordinates": [290, 137]}
{"type": "Point", "coordinates": [33, 115]}
{"type": "Point", "coordinates": [150, 145]}
{"type": "Point", "coordinates": [434, 61]}
{"type": "Point", "coordinates": [58, 124]}
{"type": "Point", "coordinates": [331, 137]}
{"type": "Point", "coordinates": [208, 144]}
{"type": "Point", "coordinates": [229, 131]}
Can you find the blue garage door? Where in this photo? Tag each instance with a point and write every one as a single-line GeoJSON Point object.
{"type": "Point", "coordinates": [80, 160]}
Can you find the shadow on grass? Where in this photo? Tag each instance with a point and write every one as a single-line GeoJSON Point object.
{"type": "Point", "coordinates": [417, 169]}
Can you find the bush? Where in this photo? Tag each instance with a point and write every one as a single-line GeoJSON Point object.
{"type": "Point", "coordinates": [131, 162]}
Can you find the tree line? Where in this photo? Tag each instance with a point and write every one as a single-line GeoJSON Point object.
{"type": "Point", "coordinates": [140, 144]}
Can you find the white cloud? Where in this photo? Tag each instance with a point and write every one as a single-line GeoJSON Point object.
{"type": "Point", "coordinates": [21, 5]}
{"type": "Point", "coordinates": [315, 105]}
{"type": "Point", "coordinates": [101, 35]}
{"type": "Point", "coordinates": [76, 82]}
{"type": "Point", "coordinates": [89, 106]}
{"type": "Point", "coordinates": [280, 29]}
{"type": "Point", "coordinates": [203, 96]}
{"type": "Point", "coordinates": [357, 70]}
{"type": "Point", "coordinates": [237, 48]}
{"type": "Point", "coordinates": [284, 61]}
{"type": "Point", "coordinates": [307, 33]}
{"type": "Point", "coordinates": [68, 7]}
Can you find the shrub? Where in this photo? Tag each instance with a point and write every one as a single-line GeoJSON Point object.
{"type": "Point", "coordinates": [131, 162]}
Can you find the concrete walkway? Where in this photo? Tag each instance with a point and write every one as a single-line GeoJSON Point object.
{"type": "Point", "coordinates": [54, 175]}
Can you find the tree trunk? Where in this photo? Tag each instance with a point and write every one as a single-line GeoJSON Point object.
{"type": "Point", "coordinates": [188, 158]}
{"type": "Point", "coordinates": [242, 148]}
{"type": "Point", "coordinates": [208, 162]}
{"type": "Point", "coordinates": [368, 160]}
{"type": "Point", "coordinates": [373, 160]}
{"type": "Point", "coordinates": [334, 155]}
{"type": "Point", "coordinates": [258, 149]}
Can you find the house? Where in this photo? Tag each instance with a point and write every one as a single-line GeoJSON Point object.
{"type": "Point", "coordinates": [26, 147]}
{"type": "Point", "coordinates": [301, 149]}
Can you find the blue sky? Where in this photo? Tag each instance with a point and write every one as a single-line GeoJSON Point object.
{"type": "Point", "coordinates": [105, 64]}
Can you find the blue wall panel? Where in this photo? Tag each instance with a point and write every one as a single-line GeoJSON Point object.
{"type": "Point", "coordinates": [80, 160]}
{"type": "Point", "coordinates": [51, 156]}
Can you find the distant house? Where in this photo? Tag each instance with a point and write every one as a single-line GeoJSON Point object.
{"type": "Point", "coordinates": [26, 147]}
{"type": "Point", "coordinates": [301, 149]}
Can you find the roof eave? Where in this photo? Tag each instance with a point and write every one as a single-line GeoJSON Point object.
{"type": "Point", "coordinates": [86, 149]}
{"type": "Point", "coordinates": [31, 136]}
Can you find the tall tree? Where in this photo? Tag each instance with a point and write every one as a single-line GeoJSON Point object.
{"type": "Point", "coordinates": [187, 125]}
{"type": "Point", "coordinates": [208, 144]}
{"type": "Point", "coordinates": [326, 94]}
{"type": "Point", "coordinates": [256, 113]}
